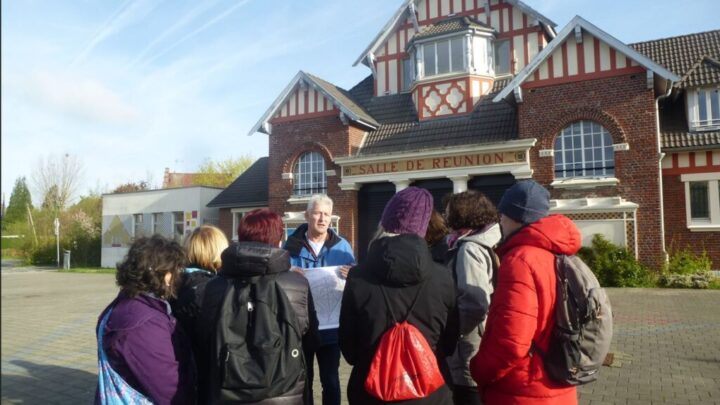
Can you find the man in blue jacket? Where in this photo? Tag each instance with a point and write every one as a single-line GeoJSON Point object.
{"type": "Point", "coordinates": [312, 245]}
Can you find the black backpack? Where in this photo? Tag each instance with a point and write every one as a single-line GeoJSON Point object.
{"type": "Point", "coordinates": [583, 325]}
{"type": "Point", "coordinates": [257, 345]}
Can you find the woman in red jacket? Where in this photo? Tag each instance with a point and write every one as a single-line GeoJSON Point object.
{"type": "Point", "coordinates": [521, 314]}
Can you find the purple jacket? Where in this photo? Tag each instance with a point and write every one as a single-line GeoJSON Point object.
{"type": "Point", "coordinates": [146, 347]}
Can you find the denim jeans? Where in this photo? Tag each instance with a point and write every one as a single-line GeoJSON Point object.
{"type": "Point", "coordinates": [328, 358]}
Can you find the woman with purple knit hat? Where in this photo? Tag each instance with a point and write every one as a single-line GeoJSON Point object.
{"type": "Point", "coordinates": [399, 263]}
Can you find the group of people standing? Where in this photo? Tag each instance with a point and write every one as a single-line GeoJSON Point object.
{"type": "Point", "coordinates": [477, 281]}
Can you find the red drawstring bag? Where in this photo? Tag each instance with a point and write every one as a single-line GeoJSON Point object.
{"type": "Point", "coordinates": [404, 366]}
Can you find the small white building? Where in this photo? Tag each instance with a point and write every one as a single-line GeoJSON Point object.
{"type": "Point", "coordinates": [173, 213]}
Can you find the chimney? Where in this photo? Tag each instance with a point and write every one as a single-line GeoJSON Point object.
{"type": "Point", "coordinates": [166, 178]}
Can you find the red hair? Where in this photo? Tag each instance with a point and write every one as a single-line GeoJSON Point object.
{"type": "Point", "coordinates": [261, 225]}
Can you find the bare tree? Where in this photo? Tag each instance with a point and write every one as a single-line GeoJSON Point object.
{"type": "Point", "coordinates": [56, 179]}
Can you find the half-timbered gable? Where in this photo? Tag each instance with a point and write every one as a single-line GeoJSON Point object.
{"type": "Point", "coordinates": [478, 94]}
{"type": "Point", "coordinates": [448, 52]}
{"type": "Point", "coordinates": [580, 52]}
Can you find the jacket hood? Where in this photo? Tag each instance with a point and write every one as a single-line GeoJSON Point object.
{"type": "Point", "coordinates": [555, 233]}
{"type": "Point", "coordinates": [297, 240]}
{"type": "Point", "coordinates": [249, 259]}
{"type": "Point", "coordinates": [401, 260]}
{"type": "Point", "coordinates": [488, 238]}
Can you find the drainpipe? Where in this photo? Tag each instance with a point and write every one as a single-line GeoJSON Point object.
{"type": "Point", "coordinates": [661, 155]}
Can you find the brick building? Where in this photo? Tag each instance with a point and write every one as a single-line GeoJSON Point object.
{"type": "Point", "coordinates": [468, 94]}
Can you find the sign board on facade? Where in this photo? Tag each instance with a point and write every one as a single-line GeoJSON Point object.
{"type": "Point", "coordinates": [435, 163]}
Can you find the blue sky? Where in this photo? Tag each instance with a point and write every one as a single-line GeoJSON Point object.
{"type": "Point", "coordinates": [134, 86]}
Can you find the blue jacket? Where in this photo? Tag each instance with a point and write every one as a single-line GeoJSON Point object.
{"type": "Point", "coordinates": [335, 252]}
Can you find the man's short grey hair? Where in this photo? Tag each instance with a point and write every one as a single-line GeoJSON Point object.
{"type": "Point", "coordinates": [316, 199]}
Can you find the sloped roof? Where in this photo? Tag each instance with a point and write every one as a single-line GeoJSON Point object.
{"type": "Point", "coordinates": [693, 57]}
{"type": "Point", "coordinates": [344, 97]}
{"type": "Point", "coordinates": [250, 189]}
{"type": "Point", "coordinates": [686, 140]}
{"type": "Point", "coordinates": [391, 109]}
{"type": "Point", "coordinates": [674, 132]}
{"type": "Point", "coordinates": [488, 123]}
{"type": "Point", "coordinates": [705, 71]}
{"type": "Point", "coordinates": [569, 29]}
{"type": "Point", "coordinates": [452, 25]}
{"type": "Point", "coordinates": [343, 100]}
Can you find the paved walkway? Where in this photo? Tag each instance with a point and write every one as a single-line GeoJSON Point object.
{"type": "Point", "coordinates": [667, 342]}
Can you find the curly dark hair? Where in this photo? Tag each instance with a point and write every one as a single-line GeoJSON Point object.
{"type": "Point", "coordinates": [436, 228]}
{"type": "Point", "coordinates": [470, 209]}
{"type": "Point", "coordinates": [147, 262]}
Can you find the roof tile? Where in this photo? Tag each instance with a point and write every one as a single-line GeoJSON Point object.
{"type": "Point", "coordinates": [250, 189]}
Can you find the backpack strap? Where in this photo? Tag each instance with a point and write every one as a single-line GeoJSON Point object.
{"type": "Point", "coordinates": [412, 306]}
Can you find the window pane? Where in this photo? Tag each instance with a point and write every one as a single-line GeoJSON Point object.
{"type": "Point", "coordinates": [586, 148]}
{"type": "Point", "coordinates": [702, 107]}
{"type": "Point", "coordinates": [408, 73]}
{"type": "Point", "coordinates": [502, 57]}
{"type": "Point", "coordinates": [715, 106]}
{"type": "Point", "coordinates": [456, 53]}
{"type": "Point", "coordinates": [699, 206]}
{"type": "Point", "coordinates": [429, 59]}
{"type": "Point", "coordinates": [310, 174]}
{"type": "Point", "coordinates": [443, 57]}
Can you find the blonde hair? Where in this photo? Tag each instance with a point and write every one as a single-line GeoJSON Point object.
{"type": "Point", "coordinates": [204, 246]}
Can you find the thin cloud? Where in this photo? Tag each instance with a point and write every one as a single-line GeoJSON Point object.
{"type": "Point", "coordinates": [125, 15]}
{"type": "Point", "coordinates": [179, 25]}
{"type": "Point", "coordinates": [197, 31]}
{"type": "Point", "coordinates": [83, 97]}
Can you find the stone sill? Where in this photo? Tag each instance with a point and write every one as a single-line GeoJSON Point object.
{"type": "Point", "coordinates": [298, 199]}
{"type": "Point", "coordinates": [585, 182]}
{"type": "Point", "coordinates": [704, 228]}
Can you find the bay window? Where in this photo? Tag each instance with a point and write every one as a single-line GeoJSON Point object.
{"type": "Point", "coordinates": [443, 56]}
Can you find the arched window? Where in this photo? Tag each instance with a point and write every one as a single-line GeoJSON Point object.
{"type": "Point", "coordinates": [309, 175]}
{"type": "Point", "coordinates": [584, 149]}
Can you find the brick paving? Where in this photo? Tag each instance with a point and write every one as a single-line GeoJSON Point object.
{"type": "Point", "coordinates": [667, 342]}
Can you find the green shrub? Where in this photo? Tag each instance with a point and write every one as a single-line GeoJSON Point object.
{"type": "Point", "coordinates": [685, 280]}
{"type": "Point", "coordinates": [615, 266]}
{"type": "Point", "coordinates": [44, 254]}
{"type": "Point", "coordinates": [686, 262]}
{"type": "Point", "coordinates": [686, 269]}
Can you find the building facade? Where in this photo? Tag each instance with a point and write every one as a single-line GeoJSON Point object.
{"type": "Point", "coordinates": [468, 94]}
{"type": "Point", "coordinates": [173, 213]}
{"type": "Point", "coordinates": [248, 192]}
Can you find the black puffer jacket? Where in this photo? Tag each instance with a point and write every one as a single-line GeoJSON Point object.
{"type": "Point", "coordinates": [249, 259]}
{"type": "Point", "coordinates": [185, 307]}
{"type": "Point", "coordinates": [400, 264]}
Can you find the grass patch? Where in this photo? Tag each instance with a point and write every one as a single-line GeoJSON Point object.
{"type": "Point", "coordinates": [714, 284]}
{"type": "Point", "coordinates": [95, 270]}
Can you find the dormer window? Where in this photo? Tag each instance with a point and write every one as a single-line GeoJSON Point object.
{"type": "Point", "coordinates": [443, 56]}
{"type": "Point", "coordinates": [704, 109]}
